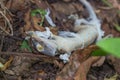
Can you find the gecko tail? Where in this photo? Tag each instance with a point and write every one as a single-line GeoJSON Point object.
{"type": "Point", "coordinates": [93, 18]}
{"type": "Point", "coordinates": [90, 9]}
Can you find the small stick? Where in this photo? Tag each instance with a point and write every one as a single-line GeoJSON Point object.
{"type": "Point", "coordinates": [9, 24]}
{"type": "Point", "coordinates": [27, 55]}
{"type": "Point", "coordinates": [1, 45]}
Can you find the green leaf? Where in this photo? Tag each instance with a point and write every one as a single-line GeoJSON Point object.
{"type": "Point", "coordinates": [110, 45]}
{"type": "Point", "coordinates": [99, 52]}
{"type": "Point", "coordinates": [41, 12]}
{"type": "Point", "coordinates": [25, 45]}
{"type": "Point", "coordinates": [38, 11]}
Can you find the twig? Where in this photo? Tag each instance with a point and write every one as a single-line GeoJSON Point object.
{"type": "Point", "coordinates": [105, 8]}
{"type": "Point", "coordinates": [4, 30]}
{"type": "Point", "coordinates": [28, 55]}
{"type": "Point", "coordinates": [1, 45]}
{"type": "Point", "coordinates": [9, 24]}
{"type": "Point", "coordinates": [5, 9]}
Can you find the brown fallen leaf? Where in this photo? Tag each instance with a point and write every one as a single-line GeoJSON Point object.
{"type": "Point", "coordinates": [40, 4]}
{"type": "Point", "coordinates": [7, 64]}
{"type": "Point", "coordinates": [107, 15]}
{"type": "Point", "coordinates": [78, 66]}
{"type": "Point", "coordinates": [17, 4]}
{"type": "Point", "coordinates": [35, 23]}
{"type": "Point", "coordinates": [99, 62]}
{"type": "Point", "coordinates": [84, 68]}
{"type": "Point", "coordinates": [115, 4]}
{"type": "Point", "coordinates": [41, 72]}
{"type": "Point", "coordinates": [32, 24]}
{"type": "Point", "coordinates": [85, 53]}
{"type": "Point", "coordinates": [69, 69]}
{"type": "Point", "coordinates": [27, 20]}
{"type": "Point", "coordinates": [67, 8]}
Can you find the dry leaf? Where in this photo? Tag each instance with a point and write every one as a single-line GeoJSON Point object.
{"type": "Point", "coordinates": [7, 64]}
{"type": "Point", "coordinates": [76, 67]}
{"type": "Point", "coordinates": [35, 23]}
{"type": "Point", "coordinates": [99, 62]}
{"type": "Point", "coordinates": [17, 4]}
{"type": "Point", "coordinates": [27, 20]}
{"type": "Point", "coordinates": [32, 23]}
{"type": "Point", "coordinates": [84, 68]}
{"type": "Point", "coordinates": [69, 69]}
{"type": "Point", "coordinates": [115, 3]}
{"type": "Point", "coordinates": [67, 8]}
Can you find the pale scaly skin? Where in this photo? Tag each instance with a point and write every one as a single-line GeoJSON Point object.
{"type": "Point", "coordinates": [86, 34]}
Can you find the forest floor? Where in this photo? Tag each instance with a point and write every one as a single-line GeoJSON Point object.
{"type": "Point", "coordinates": [19, 60]}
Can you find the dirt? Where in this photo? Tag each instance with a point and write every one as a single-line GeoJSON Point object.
{"type": "Point", "coordinates": [100, 73]}
{"type": "Point", "coordinates": [22, 64]}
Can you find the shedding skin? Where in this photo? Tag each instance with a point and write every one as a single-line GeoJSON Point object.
{"type": "Point", "coordinates": [48, 18]}
{"type": "Point", "coordinates": [70, 41]}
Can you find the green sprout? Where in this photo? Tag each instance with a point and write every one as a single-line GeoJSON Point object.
{"type": "Point", "coordinates": [41, 12]}
{"type": "Point", "coordinates": [25, 45]}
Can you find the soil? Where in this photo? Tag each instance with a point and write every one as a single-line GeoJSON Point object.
{"type": "Point", "coordinates": [22, 64]}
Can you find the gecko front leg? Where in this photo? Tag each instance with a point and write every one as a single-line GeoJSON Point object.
{"type": "Point", "coordinates": [65, 57]}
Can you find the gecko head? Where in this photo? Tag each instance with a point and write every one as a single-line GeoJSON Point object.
{"type": "Point", "coordinates": [46, 46]}
{"type": "Point", "coordinates": [42, 43]}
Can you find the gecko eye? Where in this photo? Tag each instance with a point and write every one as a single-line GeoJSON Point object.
{"type": "Point", "coordinates": [39, 47]}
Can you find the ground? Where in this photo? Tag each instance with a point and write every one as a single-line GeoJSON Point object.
{"type": "Point", "coordinates": [18, 61]}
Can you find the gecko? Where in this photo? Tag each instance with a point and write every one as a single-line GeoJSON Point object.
{"type": "Point", "coordinates": [87, 31]}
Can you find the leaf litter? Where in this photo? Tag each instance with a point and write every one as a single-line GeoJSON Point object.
{"type": "Point", "coordinates": [46, 68]}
